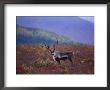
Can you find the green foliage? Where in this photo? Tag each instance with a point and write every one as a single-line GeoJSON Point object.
{"type": "Point", "coordinates": [43, 34]}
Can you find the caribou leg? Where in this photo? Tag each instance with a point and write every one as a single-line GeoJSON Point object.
{"type": "Point", "coordinates": [70, 60]}
{"type": "Point", "coordinates": [58, 61]}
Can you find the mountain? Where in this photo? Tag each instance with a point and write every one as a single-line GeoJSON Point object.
{"type": "Point", "coordinates": [26, 35]}
{"type": "Point", "coordinates": [74, 27]}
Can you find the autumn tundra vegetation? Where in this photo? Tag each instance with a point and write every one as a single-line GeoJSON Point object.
{"type": "Point", "coordinates": [37, 59]}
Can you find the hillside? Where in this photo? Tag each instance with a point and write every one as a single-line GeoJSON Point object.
{"type": "Point", "coordinates": [27, 35]}
{"type": "Point", "coordinates": [77, 29]}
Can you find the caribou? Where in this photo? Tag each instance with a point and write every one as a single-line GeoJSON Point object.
{"type": "Point", "coordinates": [59, 55]}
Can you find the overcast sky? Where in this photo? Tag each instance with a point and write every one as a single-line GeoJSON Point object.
{"type": "Point", "coordinates": [90, 19]}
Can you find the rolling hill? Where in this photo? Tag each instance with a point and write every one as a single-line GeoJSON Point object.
{"type": "Point", "coordinates": [26, 35]}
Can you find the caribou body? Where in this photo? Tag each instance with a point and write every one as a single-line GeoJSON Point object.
{"type": "Point", "coordinates": [59, 55]}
